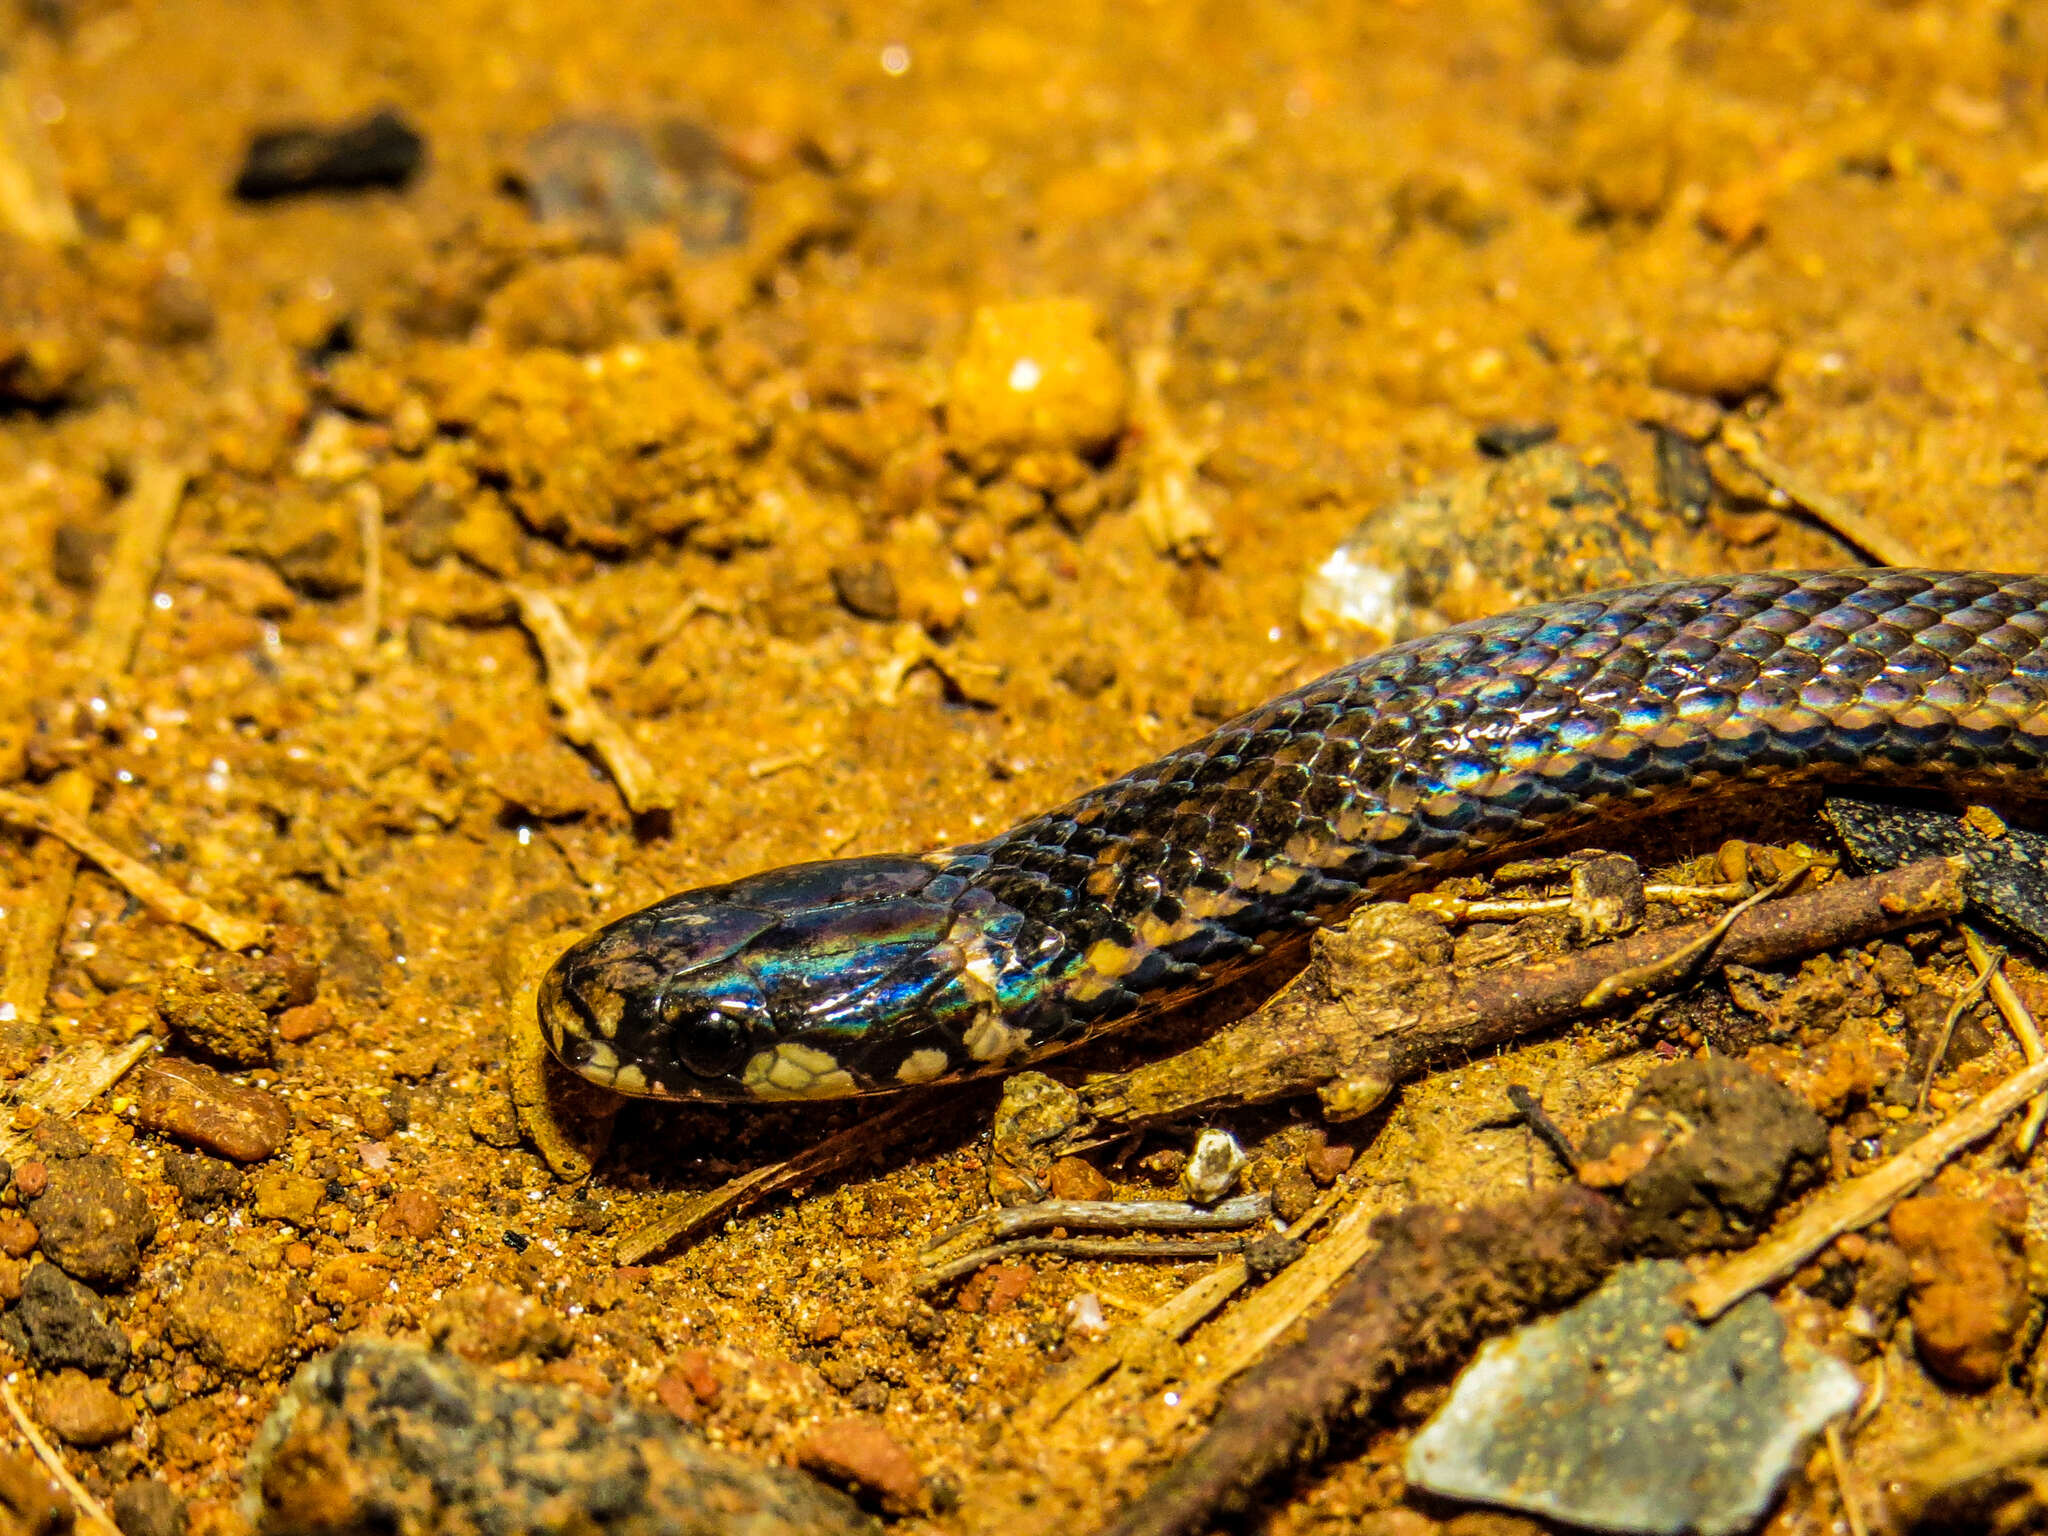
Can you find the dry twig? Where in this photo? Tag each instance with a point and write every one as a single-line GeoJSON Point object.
{"type": "Point", "coordinates": [1987, 963]}
{"type": "Point", "coordinates": [121, 603]}
{"type": "Point", "coordinates": [1350, 1038]}
{"type": "Point", "coordinates": [66, 1083]}
{"type": "Point", "coordinates": [1860, 533]}
{"type": "Point", "coordinates": [370, 523]}
{"type": "Point", "coordinates": [584, 722]}
{"type": "Point", "coordinates": [1859, 1201]}
{"type": "Point", "coordinates": [36, 926]}
{"type": "Point", "coordinates": [95, 1515]}
{"type": "Point", "coordinates": [133, 876]}
{"type": "Point", "coordinates": [2019, 1018]}
{"type": "Point", "coordinates": [1846, 1484]}
{"type": "Point", "coordinates": [33, 202]}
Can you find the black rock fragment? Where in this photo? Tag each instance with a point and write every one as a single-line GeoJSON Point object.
{"type": "Point", "coordinates": [2005, 868]}
{"type": "Point", "coordinates": [381, 150]}
{"type": "Point", "coordinates": [58, 1322]}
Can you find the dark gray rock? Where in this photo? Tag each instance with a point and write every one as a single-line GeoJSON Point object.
{"type": "Point", "coordinates": [381, 1437]}
{"type": "Point", "coordinates": [60, 1323]}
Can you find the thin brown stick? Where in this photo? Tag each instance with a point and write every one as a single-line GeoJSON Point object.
{"type": "Point", "coordinates": [136, 878]}
{"type": "Point", "coordinates": [36, 927]}
{"type": "Point", "coordinates": [583, 720]}
{"type": "Point", "coordinates": [1864, 535]}
{"type": "Point", "coordinates": [2019, 1018]}
{"type": "Point", "coordinates": [892, 1125]}
{"type": "Point", "coordinates": [1987, 967]}
{"type": "Point", "coordinates": [121, 604]}
{"type": "Point", "coordinates": [1344, 1032]}
{"type": "Point", "coordinates": [88, 1506]}
{"type": "Point", "coordinates": [1859, 1201]}
{"type": "Point", "coordinates": [1116, 1248]}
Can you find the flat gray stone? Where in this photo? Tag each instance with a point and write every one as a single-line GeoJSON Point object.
{"type": "Point", "coordinates": [1594, 1417]}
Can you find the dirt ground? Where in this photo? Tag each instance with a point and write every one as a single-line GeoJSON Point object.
{"type": "Point", "coordinates": [677, 322]}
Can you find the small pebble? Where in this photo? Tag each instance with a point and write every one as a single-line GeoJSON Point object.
{"type": "Point", "coordinates": [202, 1182]}
{"type": "Point", "coordinates": [412, 1212]}
{"type": "Point", "coordinates": [299, 1256]}
{"type": "Point", "coordinates": [1072, 1178]}
{"type": "Point", "coordinates": [82, 1410]}
{"type": "Point", "coordinates": [234, 1319]}
{"type": "Point", "coordinates": [352, 1277]}
{"type": "Point", "coordinates": [1505, 439]}
{"type": "Point", "coordinates": [93, 1222]}
{"type": "Point", "coordinates": [1036, 375]}
{"type": "Point", "coordinates": [288, 1197]}
{"type": "Point", "coordinates": [1087, 673]}
{"type": "Point", "coordinates": [1723, 362]}
{"type": "Point", "coordinates": [29, 1179]}
{"type": "Point", "coordinates": [866, 589]}
{"type": "Point", "coordinates": [1211, 1171]}
{"type": "Point", "coordinates": [865, 1455]}
{"type": "Point", "coordinates": [995, 1288]}
{"type": "Point", "coordinates": [1084, 1317]}
{"type": "Point", "coordinates": [492, 1323]}
{"type": "Point", "coordinates": [1600, 31]}
{"type": "Point", "coordinates": [381, 150]}
{"type": "Point", "coordinates": [17, 1236]}
{"type": "Point", "coordinates": [199, 1105]}
{"type": "Point", "coordinates": [1326, 1163]}
{"type": "Point", "coordinates": [1294, 1193]}
{"type": "Point", "coordinates": [304, 1022]}
{"type": "Point", "coordinates": [11, 1271]}
{"type": "Point", "coordinates": [1969, 1298]}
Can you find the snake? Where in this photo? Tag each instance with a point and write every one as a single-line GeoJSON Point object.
{"type": "Point", "coordinates": [874, 973]}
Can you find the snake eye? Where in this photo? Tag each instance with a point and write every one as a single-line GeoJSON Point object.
{"type": "Point", "coordinates": [715, 1042]}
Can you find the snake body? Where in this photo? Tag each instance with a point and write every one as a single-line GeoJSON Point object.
{"type": "Point", "coordinates": [868, 974]}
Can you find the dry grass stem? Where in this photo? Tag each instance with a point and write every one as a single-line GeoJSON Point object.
{"type": "Point", "coordinates": [1867, 537]}
{"type": "Point", "coordinates": [133, 876]}
{"type": "Point", "coordinates": [94, 1515]}
{"type": "Point", "coordinates": [65, 1084]}
{"type": "Point", "coordinates": [121, 604]}
{"type": "Point", "coordinates": [584, 722]}
{"type": "Point", "coordinates": [1987, 962]}
{"type": "Point", "coordinates": [2019, 1018]}
{"type": "Point", "coordinates": [36, 926]}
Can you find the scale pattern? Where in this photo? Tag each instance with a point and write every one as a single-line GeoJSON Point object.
{"type": "Point", "coordinates": [1419, 758]}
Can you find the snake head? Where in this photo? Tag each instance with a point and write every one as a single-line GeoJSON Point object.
{"type": "Point", "coordinates": [787, 984]}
